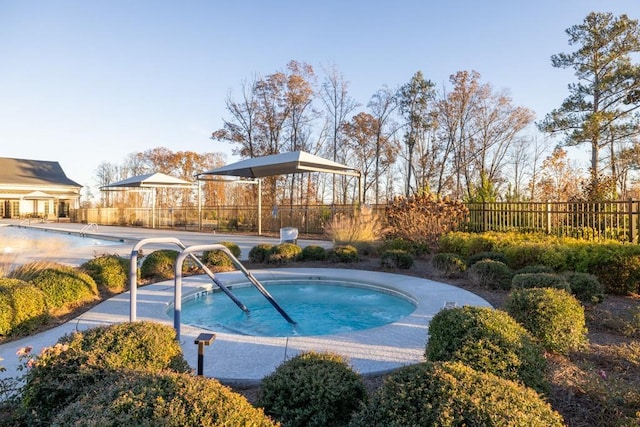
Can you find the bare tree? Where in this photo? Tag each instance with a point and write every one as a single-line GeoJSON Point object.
{"type": "Point", "coordinates": [338, 106]}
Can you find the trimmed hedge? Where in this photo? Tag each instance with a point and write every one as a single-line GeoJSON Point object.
{"type": "Point", "coordinates": [312, 389]}
{"type": "Point", "coordinates": [586, 287]}
{"type": "Point", "coordinates": [65, 286]}
{"type": "Point", "coordinates": [346, 254]}
{"type": "Point", "coordinates": [218, 260]}
{"type": "Point", "coordinates": [22, 307]}
{"type": "Point", "coordinates": [159, 265]}
{"type": "Point", "coordinates": [166, 399]}
{"type": "Point", "coordinates": [481, 256]}
{"type": "Point", "coordinates": [490, 274]}
{"type": "Point", "coordinates": [110, 272]}
{"type": "Point", "coordinates": [260, 252]}
{"type": "Point", "coordinates": [284, 253]}
{"type": "Point", "coordinates": [553, 316]}
{"type": "Point", "coordinates": [539, 280]}
{"type": "Point", "coordinates": [448, 264]}
{"type": "Point", "coordinates": [396, 258]}
{"type": "Point", "coordinates": [453, 394]}
{"type": "Point", "coordinates": [313, 253]}
{"type": "Point", "coordinates": [78, 362]}
{"type": "Point", "coordinates": [487, 340]}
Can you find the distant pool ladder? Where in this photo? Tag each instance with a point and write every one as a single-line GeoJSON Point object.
{"type": "Point", "coordinates": [188, 252]}
{"type": "Point", "coordinates": [88, 228]}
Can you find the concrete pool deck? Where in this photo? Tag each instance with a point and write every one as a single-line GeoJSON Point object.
{"type": "Point", "coordinates": [245, 359]}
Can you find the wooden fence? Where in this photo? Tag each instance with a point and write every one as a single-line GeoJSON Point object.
{"type": "Point", "coordinates": [594, 221]}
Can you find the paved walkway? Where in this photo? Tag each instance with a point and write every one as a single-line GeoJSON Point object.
{"type": "Point", "coordinates": [246, 359]}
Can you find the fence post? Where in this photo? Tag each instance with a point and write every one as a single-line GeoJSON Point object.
{"type": "Point", "coordinates": [632, 221]}
{"type": "Point", "coordinates": [548, 212]}
{"type": "Point", "coordinates": [484, 216]}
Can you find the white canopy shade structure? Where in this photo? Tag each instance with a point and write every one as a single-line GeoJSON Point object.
{"type": "Point", "coordinates": [281, 164]}
{"type": "Point", "coordinates": [151, 182]}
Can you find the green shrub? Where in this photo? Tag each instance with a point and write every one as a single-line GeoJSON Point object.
{"type": "Point", "coordinates": [535, 268]}
{"type": "Point", "coordinates": [78, 362]}
{"type": "Point", "coordinates": [452, 394]}
{"type": "Point", "coordinates": [343, 254]}
{"type": "Point", "coordinates": [416, 248]}
{"type": "Point", "coordinates": [585, 287]}
{"type": "Point", "coordinates": [22, 307]}
{"type": "Point", "coordinates": [396, 259]}
{"type": "Point", "coordinates": [312, 389]}
{"type": "Point", "coordinates": [617, 268]}
{"type": "Point", "coordinates": [553, 316]}
{"type": "Point", "coordinates": [110, 272]}
{"type": "Point", "coordinates": [65, 286]}
{"type": "Point", "coordinates": [523, 254]}
{"type": "Point", "coordinates": [284, 253]}
{"type": "Point", "coordinates": [539, 280]}
{"type": "Point", "coordinates": [260, 252]}
{"type": "Point", "coordinates": [480, 256]}
{"type": "Point", "coordinates": [133, 345]}
{"type": "Point", "coordinates": [448, 264]}
{"type": "Point", "coordinates": [490, 274]}
{"type": "Point", "coordinates": [218, 260]}
{"type": "Point", "coordinates": [313, 253]}
{"type": "Point", "coordinates": [166, 399]}
{"type": "Point", "coordinates": [159, 265]}
{"type": "Point", "coordinates": [487, 340]}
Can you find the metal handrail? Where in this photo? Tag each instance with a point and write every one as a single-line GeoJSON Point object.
{"type": "Point", "coordinates": [177, 303]}
{"type": "Point", "coordinates": [188, 252]}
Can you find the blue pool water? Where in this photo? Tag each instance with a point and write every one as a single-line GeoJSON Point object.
{"type": "Point", "coordinates": [317, 307]}
{"type": "Point", "coordinates": [20, 238]}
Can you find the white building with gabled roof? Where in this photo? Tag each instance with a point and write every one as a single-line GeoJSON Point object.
{"type": "Point", "coordinates": [36, 188]}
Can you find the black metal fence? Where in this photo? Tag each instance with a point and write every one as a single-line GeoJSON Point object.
{"type": "Point", "coordinates": [594, 221]}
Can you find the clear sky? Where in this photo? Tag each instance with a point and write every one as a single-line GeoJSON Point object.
{"type": "Point", "coordinates": [87, 81]}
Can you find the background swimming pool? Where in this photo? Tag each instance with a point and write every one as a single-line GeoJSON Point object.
{"type": "Point", "coordinates": [318, 308]}
{"type": "Point", "coordinates": [21, 238]}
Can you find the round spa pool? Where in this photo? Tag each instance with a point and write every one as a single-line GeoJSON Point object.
{"type": "Point", "coordinates": [318, 307]}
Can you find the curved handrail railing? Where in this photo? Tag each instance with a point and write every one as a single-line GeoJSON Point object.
{"type": "Point", "coordinates": [188, 252]}
{"type": "Point", "coordinates": [177, 303]}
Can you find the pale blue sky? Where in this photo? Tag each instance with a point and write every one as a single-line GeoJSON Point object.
{"type": "Point", "coordinates": [87, 81]}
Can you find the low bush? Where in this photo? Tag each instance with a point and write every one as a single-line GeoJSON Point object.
{"type": "Point", "coordinates": [159, 265]}
{"type": "Point", "coordinates": [313, 253]}
{"type": "Point", "coordinates": [260, 252]}
{"type": "Point", "coordinates": [466, 244]}
{"type": "Point", "coordinates": [22, 307]}
{"type": "Point", "coordinates": [481, 256]}
{"type": "Point", "coordinates": [218, 260]}
{"type": "Point", "coordinates": [312, 389]}
{"type": "Point", "coordinates": [284, 253]}
{"type": "Point", "coordinates": [167, 399]}
{"type": "Point", "coordinates": [490, 274]}
{"type": "Point", "coordinates": [448, 264]}
{"type": "Point", "coordinates": [346, 254]}
{"type": "Point", "coordinates": [539, 280]}
{"type": "Point", "coordinates": [524, 254]}
{"type": "Point", "coordinates": [487, 340]}
{"type": "Point", "coordinates": [396, 259]}
{"type": "Point", "coordinates": [413, 247]}
{"type": "Point", "coordinates": [448, 394]}
{"type": "Point", "coordinates": [77, 363]}
{"type": "Point", "coordinates": [133, 345]}
{"type": "Point", "coordinates": [616, 266]}
{"type": "Point", "coordinates": [65, 286]}
{"type": "Point", "coordinates": [535, 268]}
{"type": "Point", "coordinates": [110, 272]}
{"type": "Point", "coordinates": [585, 287]}
{"type": "Point", "coordinates": [553, 316]}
